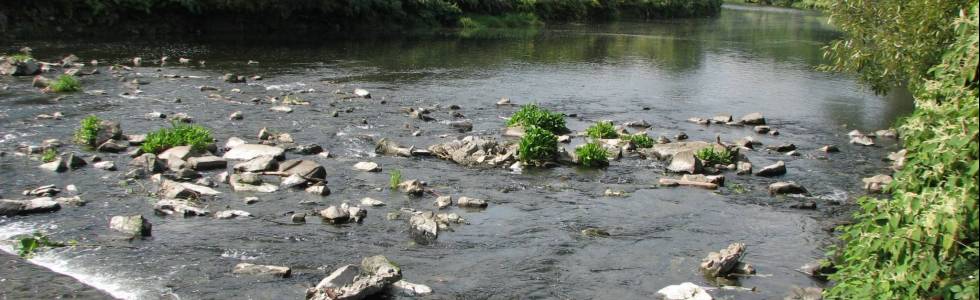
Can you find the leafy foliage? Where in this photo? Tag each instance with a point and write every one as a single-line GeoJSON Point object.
{"type": "Point", "coordinates": [803, 4]}
{"type": "Point", "coordinates": [592, 155]}
{"type": "Point", "coordinates": [602, 130]}
{"type": "Point", "coordinates": [640, 140]}
{"type": "Point", "coordinates": [923, 242]}
{"type": "Point", "coordinates": [19, 57]}
{"type": "Point", "coordinates": [712, 157]}
{"type": "Point", "coordinates": [88, 131]}
{"type": "Point", "coordinates": [49, 155]}
{"type": "Point", "coordinates": [180, 134]}
{"type": "Point", "coordinates": [530, 115]}
{"type": "Point", "coordinates": [537, 145]}
{"type": "Point", "coordinates": [28, 246]}
{"type": "Point", "coordinates": [394, 179]}
{"type": "Point", "coordinates": [65, 84]}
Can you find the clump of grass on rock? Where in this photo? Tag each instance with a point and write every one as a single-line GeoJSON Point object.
{"type": "Point", "coordinates": [195, 136]}
{"type": "Point", "coordinates": [65, 84]}
{"type": "Point", "coordinates": [537, 145]}
{"type": "Point", "coordinates": [712, 157]}
{"type": "Point", "coordinates": [592, 155]}
{"type": "Point", "coordinates": [531, 115]}
{"type": "Point", "coordinates": [640, 140]}
{"type": "Point", "coordinates": [602, 130]}
{"type": "Point", "coordinates": [49, 155]}
{"type": "Point", "coordinates": [88, 131]}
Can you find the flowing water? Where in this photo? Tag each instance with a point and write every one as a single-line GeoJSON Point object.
{"type": "Point", "coordinates": [527, 244]}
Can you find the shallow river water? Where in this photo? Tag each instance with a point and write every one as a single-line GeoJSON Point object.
{"type": "Point", "coordinates": [527, 243]}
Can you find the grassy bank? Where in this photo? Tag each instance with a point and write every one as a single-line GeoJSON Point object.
{"type": "Point", "coordinates": [801, 4]}
{"type": "Point", "coordinates": [922, 243]}
{"type": "Point", "coordinates": [147, 16]}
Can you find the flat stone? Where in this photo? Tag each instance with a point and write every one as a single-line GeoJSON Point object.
{"type": "Point", "coordinates": [258, 164]}
{"type": "Point", "coordinates": [471, 202]}
{"type": "Point", "coordinates": [780, 188]}
{"type": "Point", "coordinates": [779, 168]}
{"type": "Point", "coordinates": [755, 118]}
{"type": "Point", "coordinates": [367, 167]}
{"type": "Point", "coordinates": [684, 291]}
{"type": "Point", "coordinates": [668, 150]}
{"type": "Point", "coordinates": [721, 263]}
{"type": "Point", "coordinates": [148, 162]}
{"type": "Point", "coordinates": [231, 214]}
{"type": "Point", "coordinates": [250, 151]}
{"type": "Point", "coordinates": [179, 207]}
{"type": "Point", "coordinates": [242, 183]}
{"type": "Point", "coordinates": [207, 163]}
{"type": "Point", "coordinates": [340, 277]}
{"type": "Point", "coordinates": [178, 153]}
{"type": "Point", "coordinates": [252, 269]}
{"type": "Point", "coordinates": [305, 168]}
{"type": "Point", "coordinates": [443, 201]}
{"type": "Point", "coordinates": [367, 201]}
{"type": "Point", "coordinates": [40, 205]}
{"type": "Point", "coordinates": [135, 225]}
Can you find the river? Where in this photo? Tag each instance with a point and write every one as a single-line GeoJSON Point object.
{"type": "Point", "coordinates": [527, 244]}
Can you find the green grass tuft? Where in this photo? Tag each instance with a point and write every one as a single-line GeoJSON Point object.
{"type": "Point", "coordinates": [65, 84]}
{"type": "Point", "coordinates": [531, 115]}
{"type": "Point", "coordinates": [602, 130]}
{"type": "Point", "coordinates": [394, 179]}
{"type": "Point", "coordinates": [195, 136]}
{"type": "Point", "coordinates": [20, 57]}
{"type": "Point", "coordinates": [49, 155]}
{"type": "Point", "coordinates": [640, 140]}
{"type": "Point", "coordinates": [711, 157]}
{"type": "Point", "coordinates": [592, 155]}
{"type": "Point", "coordinates": [88, 131]}
{"type": "Point", "coordinates": [537, 145]}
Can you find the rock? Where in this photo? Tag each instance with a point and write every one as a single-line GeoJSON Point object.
{"type": "Point", "coordinates": [43, 191]}
{"type": "Point", "coordinates": [40, 82]}
{"type": "Point", "coordinates": [668, 150]}
{"type": "Point", "coordinates": [250, 269]}
{"type": "Point", "coordinates": [154, 115]}
{"type": "Point", "coordinates": [28, 67]}
{"type": "Point", "coordinates": [782, 187]}
{"type": "Point", "coordinates": [612, 193]}
{"type": "Point", "coordinates": [408, 289]}
{"type": "Point", "coordinates": [73, 201]}
{"type": "Point", "coordinates": [809, 205]}
{"type": "Point", "coordinates": [318, 189]}
{"type": "Point", "coordinates": [743, 168]}
{"type": "Point", "coordinates": [412, 187]}
{"type": "Point", "coordinates": [135, 139]}
{"type": "Point", "coordinates": [594, 232]}
{"type": "Point", "coordinates": [637, 124]}
{"type": "Point", "coordinates": [207, 163]}
{"type": "Point", "coordinates": [135, 225]}
{"type": "Point", "coordinates": [683, 291]}
{"type": "Point", "coordinates": [829, 149]}
{"type": "Point", "coordinates": [72, 160]}
{"type": "Point", "coordinates": [461, 126]}
{"type": "Point", "coordinates": [793, 153]}
{"type": "Point", "coordinates": [172, 189]}
{"type": "Point", "coordinates": [258, 164]}
{"type": "Point", "coordinates": [148, 162]}
{"type": "Point", "coordinates": [889, 133]}
{"type": "Point", "coordinates": [357, 214]}
{"type": "Point", "coordinates": [715, 179]}
{"type": "Point", "coordinates": [367, 167]}
{"type": "Point", "coordinates": [340, 277]}
{"type": "Point", "coordinates": [680, 136]}
{"type": "Point", "coordinates": [388, 147]}
{"type": "Point", "coordinates": [235, 116]}
{"type": "Point", "coordinates": [251, 200]}
{"type": "Point", "coordinates": [743, 268]}
{"type": "Point", "coordinates": [108, 130]}
{"type": "Point", "coordinates": [471, 202]}
{"type": "Point", "coordinates": [722, 118]}
{"type": "Point", "coordinates": [233, 141]}
{"type": "Point", "coordinates": [367, 201]}
{"type": "Point", "coordinates": [377, 274]}
{"type": "Point", "coordinates": [179, 207]}
{"type": "Point", "coordinates": [37, 205]}
{"type": "Point", "coordinates": [281, 108]}
{"type": "Point", "coordinates": [362, 93]}
{"type": "Point", "coordinates": [424, 226]}
{"type": "Point", "coordinates": [474, 150]}
{"type": "Point", "coordinates": [898, 159]}
{"type": "Point", "coordinates": [514, 131]}
{"type": "Point", "coordinates": [308, 149]}
{"type": "Point", "coordinates": [721, 263]}
{"type": "Point", "coordinates": [676, 182]}
{"type": "Point", "coordinates": [55, 166]}
{"type": "Point", "coordinates": [779, 168]}
{"type": "Point", "coordinates": [819, 269]}
{"type": "Point", "coordinates": [250, 151]}
{"type": "Point", "coordinates": [761, 129]}
{"type": "Point", "coordinates": [701, 121]}
{"type": "Point", "coordinates": [443, 202]}
{"type": "Point", "coordinates": [232, 78]}
{"type": "Point", "coordinates": [293, 181]}
{"type": "Point", "coordinates": [335, 215]}
{"type": "Point", "coordinates": [176, 164]}
{"type": "Point", "coordinates": [564, 139]}
{"type": "Point", "coordinates": [177, 153]}
{"type": "Point", "coordinates": [250, 182]}
{"type": "Point", "coordinates": [504, 101]}
{"type": "Point", "coordinates": [754, 119]}
{"type": "Point", "coordinates": [863, 141]}
{"type": "Point", "coordinates": [307, 169]}
{"type": "Point", "coordinates": [206, 181]}
{"type": "Point", "coordinates": [685, 162]}
{"type": "Point", "coordinates": [231, 214]}
{"type": "Point", "coordinates": [298, 218]}
{"type": "Point", "coordinates": [876, 184]}
{"type": "Point", "coordinates": [808, 293]}
{"type": "Point", "coordinates": [782, 148]}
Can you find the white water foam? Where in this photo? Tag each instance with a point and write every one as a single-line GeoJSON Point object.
{"type": "Point", "coordinates": [121, 287]}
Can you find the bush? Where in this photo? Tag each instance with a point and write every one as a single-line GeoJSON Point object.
{"type": "Point", "coordinates": [49, 155]}
{"type": "Point", "coordinates": [592, 155]}
{"type": "Point", "coordinates": [65, 84]}
{"type": "Point", "coordinates": [640, 140]}
{"type": "Point", "coordinates": [88, 131]}
{"type": "Point", "coordinates": [530, 115]}
{"type": "Point", "coordinates": [195, 136]}
{"type": "Point", "coordinates": [711, 157]}
{"type": "Point", "coordinates": [602, 130]}
{"type": "Point", "coordinates": [537, 145]}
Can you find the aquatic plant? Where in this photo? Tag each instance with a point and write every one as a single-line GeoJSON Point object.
{"type": "Point", "coordinates": [179, 134]}
{"type": "Point", "coordinates": [640, 140]}
{"type": "Point", "coordinates": [530, 115]}
{"type": "Point", "coordinates": [537, 145]}
{"type": "Point", "coordinates": [29, 245]}
{"type": "Point", "coordinates": [65, 84]}
{"type": "Point", "coordinates": [592, 155]}
{"type": "Point", "coordinates": [394, 179]}
{"type": "Point", "coordinates": [19, 57]}
{"type": "Point", "coordinates": [49, 155]}
{"type": "Point", "coordinates": [88, 131]}
{"type": "Point", "coordinates": [602, 130]}
{"type": "Point", "coordinates": [712, 157]}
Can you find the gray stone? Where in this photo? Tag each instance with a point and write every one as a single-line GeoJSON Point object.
{"type": "Point", "coordinates": [340, 277]}
{"type": "Point", "coordinates": [252, 269]}
{"type": "Point", "coordinates": [388, 147]}
{"type": "Point", "coordinates": [298, 218]}
{"type": "Point", "coordinates": [207, 163]}
{"type": "Point", "coordinates": [743, 168]}
{"type": "Point", "coordinates": [335, 215]}
{"type": "Point", "coordinates": [668, 150]}
{"type": "Point", "coordinates": [111, 146]}
{"type": "Point", "coordinates": [233, 141]}
{"type": "Point", "coordinates": [876, 184]}
{"type": "Point", "coordinates": [721, 263]}
{"type": "Point", "coordinates": [306, 168]}
{"type": "Point", "coordinates": [367, 201]}
{"type": "Point", "coordinates": [412, 187]}
{"type": "Point", "coordinates": [685, 162]}
{"type": "Point", "coordinates": [135, 225]}
{"type": "Point", "coordinates": [177, 153]}
{"type": "Point", "coordinates": [863, 141]}
{"type": "Point", "coordinates": [782, 147]}
{"type": "Point", "coordinates": [779, 168]}
{"type": "Point", "coordinates": [424, 225]}
{"type": "Point", "coordinates": [148, 162]}
{"type": "Point", "coordinates": [474, 150]}
{"type": "Point", "coordinates": [722, 118]}
{"type": "Point", "coordinates": [829, 149]}
{"type": "Point", "coordinates": [108, 130]}
{"type": "Point", "coordinates": [362, 93]}
{"type": "Point", "coordinates": [231, 214]}
{"type": "Point", "coordinates": [179, 207]}
{"type": "Point", "coordinates": [318, 189]}
{"type": "Point", "coordinates": [250, 182]}
{"type": "Point", "coordinates": [782, 187]}
{"type": "Point", "coordinates": [367, 166]}
{"type": "Point", "coordinates": [461, 126]}
{"type": "Point", "coordinates": [761, 129]}
{"type": "Point", "coordinates": [683, 291]}
{"type": "Point", "coordinates": [293, 181]}
{"type": "Point", "coordinates": [443, 202]}
{"type": "Point", "coordinates": [105, 165]}
{"type": "Point", "coordinates": [471, 202]}
{"type": "Point", "coordinates": [250, 151]}
{"type": "Point", "coordinates": [39, 205]}
{"type": "Point", "coordinates": [753, 119]}
{"type": "Point", "coordinates": [258, 164]}
{"type": "Point", "coordinates": [55, 166]}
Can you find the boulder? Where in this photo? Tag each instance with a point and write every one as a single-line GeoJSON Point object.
{"type": "Point", "coordinates": [412, 187]}
{"type": "Point", "coordinates": [258, 164]}
{"type": "Point", "coordinates": [474, 150]}
{"type": "Point", "coordinates": [685, 162]}
{"type": "Point", "coordinates": [367, 201]}
{"type": "Point", "coordinates": [24, 207]}
{"type": "Point", "coordinates": [293, 181]}
{"type": "Point", "coordinates": [875, 184]}
{"type": "Point", "coordinates": [782, 147]}
{"type": "Point", "coordinates": [250, 151]}
{"type": "Point", "coordinates": [721, 263]}
{"type": "Point", "coordinates": [231, 214]}
{"type": "Point", "coordinates": [250, 182]}
{"type": "Point", "coordinates": [683, 291]}
{"type": "Point", "coordinates": [148, 162]}
{"type": "Point", "coordinates": [207, 163]}
{"type": "Point", "coordinates": [779, 168]}
{"type": "Point", "coordinates": [305, 168]}
{"type": "Point", "coordinates": [340, 277]}
{"type": "Point", "coordinates": [783, 187]}
{"type": "Point", "coordinates": [755, 118]}
{"type": "Point", "coordinates": [28, 67]}
{"type": "Point", "coordinates": [367, 166]}
{"type": "Point", "coordinates": [443, 201]}
{"type": "Point", "coordinates": [743, 168]}
{"type": "Point", "coordinates": [377, 275]}
{"type": "Point", "coordinates": [408, 289]}
{"type": "Point", "coordinates": [388, 147]}
{"type": "Point", "coordinates": [179, 207]}
{"type": "Point", "coordinates": [863, 140]}
{"type": "Point", "coordinates": [471, 202]}
{"type": "Point", "coordinates": [135, 225]}
{"type": "Point", "coordinates": [423, 226]}
{"type": "Point", "coordinates": [335, 215]}
{"type": "Point", "coordinates": [252, 269]}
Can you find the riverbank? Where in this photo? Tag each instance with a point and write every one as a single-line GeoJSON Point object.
{"type": "Point", "coordinates": [61, 18]}
{"type": "Point", "coordinates": [24, 280]}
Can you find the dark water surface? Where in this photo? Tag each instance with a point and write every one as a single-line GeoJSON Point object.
{"type": "Point", "coordinates": [527, 244]}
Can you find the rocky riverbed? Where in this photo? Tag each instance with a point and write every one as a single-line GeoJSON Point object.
{"type": "Point", "coordinates": [336, 121]}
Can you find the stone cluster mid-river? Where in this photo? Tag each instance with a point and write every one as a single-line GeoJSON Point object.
{"type": "Point", "coordinates": [528, 242]}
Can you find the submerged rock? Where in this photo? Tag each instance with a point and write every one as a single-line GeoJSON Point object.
{"type": "Point", "coordinates": [471, 202]}
{"type": "Point", "coordinates": [366, 166]}
{"type": "Point", "coordinates": [721, 263]}
{"type": "Point", "coordinates": [782, 187]}
{"type": "Point", "coordinates": [412, 187]}
{"type": "Point", "coordinates": [252, 269]}
{"type": "Point", "coordinates": [779, 168]}
{"type": "Point", "coordinates": [388, 147]}
{"type": "Point", "coordinates": [135, 225]}
{"type": "Point", "coordinates": [863, 141]}
{"type": "Point", "coordinates": [368, 201]}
